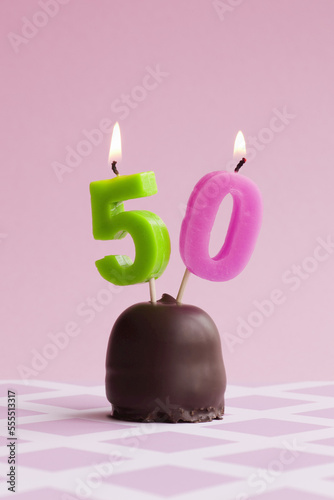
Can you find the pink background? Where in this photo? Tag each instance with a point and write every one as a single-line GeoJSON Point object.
{"type": "Point", "coordinates": [222, 71]}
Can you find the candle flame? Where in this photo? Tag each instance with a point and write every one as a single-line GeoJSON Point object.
{"type": "Point", "coordinates": [115, 152]}
{"type": "Point", "coordinates": [239, 146]}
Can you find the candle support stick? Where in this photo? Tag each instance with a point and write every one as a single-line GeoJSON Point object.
{"type": "Point", "coordinates": [153, 295]}
{"type": "Point", "coordinates": [183, 285]}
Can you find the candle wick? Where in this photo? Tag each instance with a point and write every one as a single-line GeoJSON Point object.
{"type": "Point", "coordinates": [114, 168]}
{"type": "Point", "coordinates": [240, 164]}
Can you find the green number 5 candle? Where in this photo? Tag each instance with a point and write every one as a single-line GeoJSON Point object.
{"type": "Point", "coordinates": [149, 233]}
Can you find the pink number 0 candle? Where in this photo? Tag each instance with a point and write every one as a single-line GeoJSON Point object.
{"type": "Point", "coordinates": [200, 216]}
{"type": "Point", "coordinates": [242, 232]}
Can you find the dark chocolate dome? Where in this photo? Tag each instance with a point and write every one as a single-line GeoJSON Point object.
{"type": "Point", "coordinates": [164, 363]}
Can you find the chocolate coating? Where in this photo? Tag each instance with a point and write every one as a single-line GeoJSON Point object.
{"type": "Point", "coordinates": [164, 363]}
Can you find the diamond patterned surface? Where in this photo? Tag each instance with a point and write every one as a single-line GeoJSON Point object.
{"type": "Point", "coordinates": [291, 494]}
{"type": "Point", "coordinates": [22, 389]}
{"type": "Point", "coordinates": [69, 446]}
{"type": "Point", "coordinates": [62, 458]}
{"type": "Point", "coordinates": [171, 442]}
{"type": "Point", "coordinates": [25, 413]}
{"type": "Point", "coordinates": [267, 427]}
{"type": "Point", "coordinates": [45, 493]}
{"type": "Point", "coordinates": [169, 480]}
{"type": "Point", "coordinates": [263, 402]}
{"type": "Point", "coordinates": [326, 413]}
{"type": "Point", "coordinates": [321, 390]}
{"type": "Point", "coordinates": [284, 459]}
{"type": "Point", "coordinates": [72, 426]}
{"type": "Point", "coordinates": [326, 442]}
{"type": "Point", "coordinates": [79, 402]}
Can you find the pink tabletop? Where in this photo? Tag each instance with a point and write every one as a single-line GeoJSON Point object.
{"type": "Point", "coordinates": [274, 442]}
